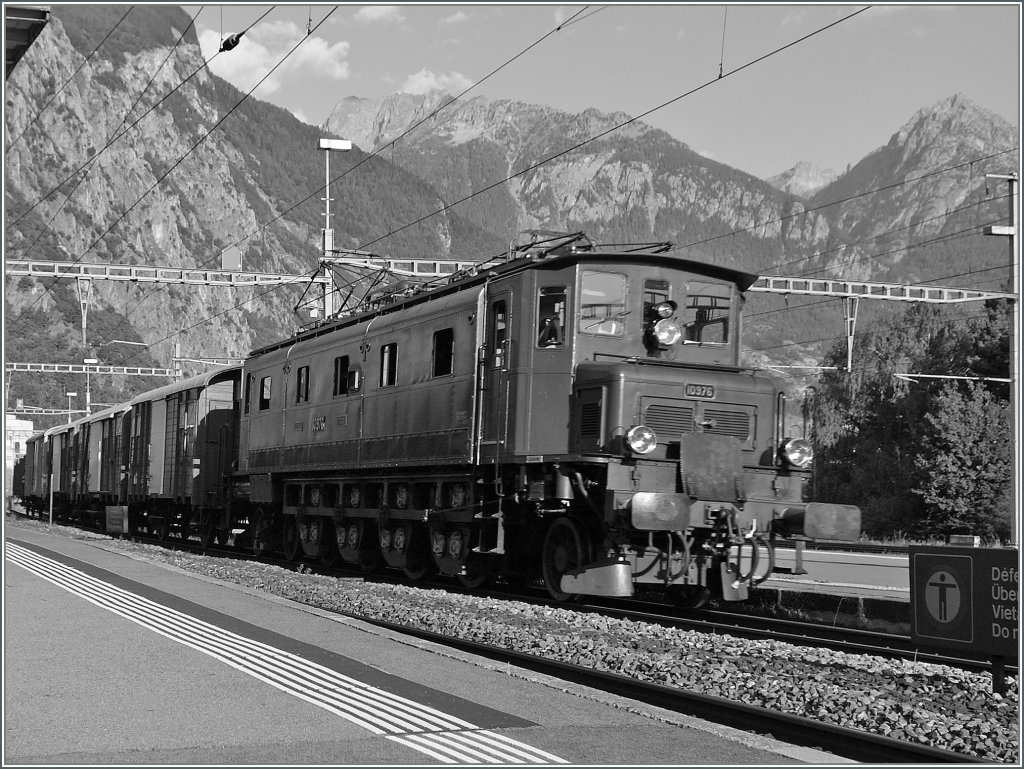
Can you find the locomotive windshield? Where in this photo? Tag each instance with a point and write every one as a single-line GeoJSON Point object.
{"type": "Point", "coordinates": [602, 303]}
{"type": "Point", "coordinates": [706, 313]}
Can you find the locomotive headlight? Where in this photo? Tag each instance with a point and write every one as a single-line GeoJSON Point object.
{"type": "Point", "coordinates": [797, 452]}
{"type": "Point", "coordinates": [667, 332]}
{"type": "Point", "coordinates": [641, 439]}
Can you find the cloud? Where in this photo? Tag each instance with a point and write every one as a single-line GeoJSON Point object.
{"type": "Point", "coordinates": [264, 46]}
{"type": "Point", "coordinates": [456, 18]}
{"type": "Point", "coordinates": [388, 14]}
{"type": "Point", "coordinates": [424, 81]}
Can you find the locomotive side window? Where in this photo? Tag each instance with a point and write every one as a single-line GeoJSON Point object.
{"type": "Point", "coordinates": [444, 352]}
{"type": "Point", "coordinates": [248, 391]}
{"type": "Point", "coordinates": [265, 387]}
{"type": "Point", "coordinates": [388, 364]}
{"type": "Point", "coordinates": [602, 303]}
{"type": "Point", "coordinates": [551, 317]}
{"type": "Point", "coordinates": [499, 326]}
{"type": "Point", "coordinates": [706, 314]}
{"type": "Point", "coordinates": [341, 375]}
{"type": "Point", "coordinates": [302, 384]}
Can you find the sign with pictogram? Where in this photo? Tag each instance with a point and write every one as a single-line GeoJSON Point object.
{"type": "Point", "coordinates": [965, 597]}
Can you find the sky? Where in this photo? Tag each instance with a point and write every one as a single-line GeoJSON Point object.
{"type": "Point", "coordinates": [828, 99]}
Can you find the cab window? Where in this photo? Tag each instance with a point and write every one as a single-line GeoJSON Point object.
{"type": "Point", "coordinates": [602, 303]}
{"type": "Point", "coordinates": [265, 389]}
{"type": "Point", "coordinates": [551, 317]}
{"type": "Point", "coordinates": [706, 313]}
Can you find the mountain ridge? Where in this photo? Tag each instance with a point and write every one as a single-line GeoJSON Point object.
{"type": "Point", "coordinates": [254, 181]}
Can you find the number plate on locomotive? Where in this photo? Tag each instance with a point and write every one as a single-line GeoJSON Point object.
{"type": "Point", "coordinates": [700, 391]}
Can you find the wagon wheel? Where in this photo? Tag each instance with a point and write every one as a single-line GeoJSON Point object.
{"type": "Point", "coordinates": [290, 543]}
{"type": "Point", "coordinates": [329, 555]}
{"type": "Point", "coordinates": [208, 535]}
{"type": "Point", "coordinates": [160, 529]}
{"type": "Point", "coordinates": [223, 535]}
{"type": "Point", "coordinates": [565, 549]}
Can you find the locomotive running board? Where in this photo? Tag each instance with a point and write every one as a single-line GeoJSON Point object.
{"type": "Point", "coordinates": [611, 577]}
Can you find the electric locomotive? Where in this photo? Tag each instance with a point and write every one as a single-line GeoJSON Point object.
{"type": "Point", "coordinates": [572, 413]}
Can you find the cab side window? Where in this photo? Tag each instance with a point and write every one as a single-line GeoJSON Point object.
{"type": "Point", "coordinates": [302, 384]}
{"type": "Point", "coordinates": [499, 334]}
{"type": "Point", "coordinates": [388, 364]}
{"type": "Point", "coordinates": [265, 389]}
{"type": "Point", "coordinates": [444, 352]}
{"type": "Point", "coordinates": [551, 317]}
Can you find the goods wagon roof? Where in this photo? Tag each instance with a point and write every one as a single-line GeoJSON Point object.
{"type": "Point", "coordinates": [197, 381]}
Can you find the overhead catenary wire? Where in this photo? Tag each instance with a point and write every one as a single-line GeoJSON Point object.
{"type": "Point", "coordinates": [67, 82]}
{"type": "Point", "coordinates": [111, 138]}
{"type": "Point", "coordinates": [185, 156]}
{"type": "Point", "coordinates": [572, 19]}
{"type": "Point", "coordinates": [638, 117]}
{"type": "Point", "coordinates": [123, 133]}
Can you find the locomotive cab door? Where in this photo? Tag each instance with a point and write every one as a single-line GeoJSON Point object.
{"type": "Point", "coordinates": [495, 377]}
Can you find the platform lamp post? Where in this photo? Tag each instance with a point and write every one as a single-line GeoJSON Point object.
{"type": "Point", "coordinates": [88, 389]}
{"type": "Point", "coordinates": [328, 146]}
{"type": "Point", "coordinates": [1010, 231]}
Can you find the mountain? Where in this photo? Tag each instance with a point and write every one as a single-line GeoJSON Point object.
{"type": "Point", "coordinates": [198, 169]}
{"type": "Point", "coordinates": [803, 179]}
{"type": "Point", "coordinates": [201, 168]}
{"type": "Point", "coordinates": [617, 179]}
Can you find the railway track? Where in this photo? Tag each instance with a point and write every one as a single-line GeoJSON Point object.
{"type": "Point", "coordinates": [846, 742]}
{"type": "Point", "coordinates": [836, 638]}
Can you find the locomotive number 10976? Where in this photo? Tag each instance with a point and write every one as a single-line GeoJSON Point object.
{"type": "Point", "coordinates": [700, 391]}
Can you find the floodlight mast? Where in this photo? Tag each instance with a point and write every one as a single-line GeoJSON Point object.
{"type": "Point", "coordinates": [328, 146]}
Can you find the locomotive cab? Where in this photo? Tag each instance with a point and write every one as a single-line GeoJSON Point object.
{"type": "Point", "coordinates": [674, 468]}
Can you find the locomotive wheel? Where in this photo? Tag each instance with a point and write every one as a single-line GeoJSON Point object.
{"type": "Point", "coordinates": [329, 555]}
{"type": "Point", "coordinates": [564, 550]}
{"type": "Point", "coordinates": [371, 561]}
{"type": "Point", "coordinates": [290, 543]}
{"type": "Point", "coordinates": [480, 573]}
{"type": "Point", "coordinates": [416, 568]}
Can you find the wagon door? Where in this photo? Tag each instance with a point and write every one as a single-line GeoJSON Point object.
{"type": "Point", "coordinates": [496, 363]}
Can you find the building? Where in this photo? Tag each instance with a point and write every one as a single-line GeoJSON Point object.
{"type": "Point", "coordinates": [17, 433]}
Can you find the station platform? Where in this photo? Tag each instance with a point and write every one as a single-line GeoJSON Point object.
{"type": "Point", "coordinates": [114, 659]}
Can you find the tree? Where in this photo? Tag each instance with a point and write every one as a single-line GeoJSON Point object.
{"type": "Point", "coordinates": [964, 472]}
{"type": "Point", "coordinates": [923, 457]}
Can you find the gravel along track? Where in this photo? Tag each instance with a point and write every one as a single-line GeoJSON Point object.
{"type": "Point", "coordinates": [930, 704]}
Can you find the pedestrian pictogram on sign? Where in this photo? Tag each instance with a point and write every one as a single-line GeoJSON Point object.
{"type": "Point", "coordinates": [942, 596]}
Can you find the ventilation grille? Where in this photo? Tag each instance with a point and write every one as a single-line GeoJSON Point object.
{"type": "Point", "coordinates": [590, 419]}
{"type": "Point", "coordinates": [669, 422]}
{"type": "Point", "coordinates": [733, 423]}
